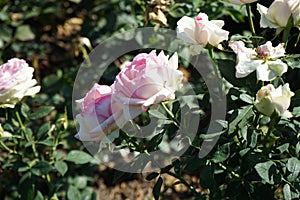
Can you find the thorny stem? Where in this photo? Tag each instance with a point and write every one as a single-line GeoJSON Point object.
{"type": "Point", "coordinates": [255, 121]}
{"type": "Point", "coordinates": [231, 171]}
{"type": "Point", "coordinates": [24, 134]}
{"type": "Point", "coordinates": [20, 122]}
{"type": "Point", "coordinates": [171, 115]}
{"type": "Point", "coordinates": [287, 30]}
{"type": "Point", "coordinates": [248, 8]}
{"type": "Point", "coordinates": [7, 148]}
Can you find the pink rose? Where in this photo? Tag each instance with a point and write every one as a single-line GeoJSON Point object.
{"type": "Point", "coordinates": [100, 115]}
{"type": "Point", "coordinates": [148, 79]}
{"type": "Point", "coordinates": [16, 82]}
{"type": "Point", "coordinates": [201, 31]}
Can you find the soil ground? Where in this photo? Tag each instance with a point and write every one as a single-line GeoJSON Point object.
{"type": "Point", "coordinates": [136, 187]}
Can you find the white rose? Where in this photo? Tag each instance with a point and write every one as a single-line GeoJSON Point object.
{"type": "Point", "coordinates": [16, 82]}
{"type": "Point", "coordinates": [201, 31]}
{"type": "Point", "coordinates": [264, 60]}
{"type": "Point", "coordinates": [278, 14]}
{"type": "Point", "coordinates": [269, 99]}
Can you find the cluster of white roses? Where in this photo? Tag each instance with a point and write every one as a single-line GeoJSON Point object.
{"type": "Point", "coordinates": [150, 79]}
{"type": "Point", "coordinates": [265, 59]}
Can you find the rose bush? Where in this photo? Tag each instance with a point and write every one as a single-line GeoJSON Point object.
{"type": "Point", "coordinates": [257, 152]}
{"type": "Point", "coordinates": [16, 82]}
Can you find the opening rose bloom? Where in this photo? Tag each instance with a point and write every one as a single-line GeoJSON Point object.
{"type": "Point", "coordinates": [264, 60]}
{"type": "Point", "coordinates": [240, 2]}
{"type": "Point", "coordinates": [201, 31]}
{"type": "Point", "coordinates": [100, 115]}
{"type": "Point", "coordinates": [16, 82]}
{"type": "Point", "coordinates": [269, 99]}
{"type": "Point", "coordinates": [148, 79]}
{"type": "Point", "coordinates": [278, 14]}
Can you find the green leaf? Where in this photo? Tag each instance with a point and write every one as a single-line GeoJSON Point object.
{"type": "Point", "coordinates": [41, 168]}
{"type": "Point", "coordinates": [191, 101]}
{"type": "Point", "coordinates": [78, 157]}
{"type": "Point", "coordinates": [73, 193]}
{"type": "Point", "coordinates": [243, 115]}
{"type": "Point", "coordinates": [157, 114]}
{"type": "Point", "coordinates": [179, 10]}
{"type": "Point", "coordinates": [293, 61]}
{"type": "Point", "coordinates": [80, 182]}
{"type": "Point", "coordinates": [24, 33]}
{"type": "Point", "coordinates": [25, 109]}
{"type": "Point", "coordinates": [243, 152]}
{"type": "Point", "coordinates": [39, 196]}
{"type": "Point", "coordinates": [293, 165]}
{"type": "Point", "coordinates": [154, 142]}
{"type": "Point", "coordinates": [263, 170]}
{"type": "Point", "coordinates": [253, 139]}
{"type": "Point", "coordinates": [222, 153]}
{"type": "Point", "coordinates": [47, 142]}
{"type": "Point", "coordinates": [297, 149]}
{"type": "Point", "coordinates": [61, 167]}
{"type": "Point", "coordinates": [287, 192]}
{"type": "Point", "coordinates": [42, 130]}
{"type": "Point", "coordinates": [296, 111]}
{"type": "Point", "coordinates": [151, 176]}
{"type": "Point", "coordinates": [75, 1]}
{"type": "Point", "coordinates": [246, 98]}
{"type": "Point", "coordinates": [88, 193]}
{"type": "Point", "coordinates": [157, 188]}
{"type": "Point", "coordinates": [34, 12]}
{"type": "Point", "coordinates": [283, 148]}
{"type": "Point", "coordinates": [5, 33]}
{"type": "Point", "coordinates": [41, 112]}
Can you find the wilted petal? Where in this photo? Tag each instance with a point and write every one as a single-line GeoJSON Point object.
{"type": "Point", "coordinates": [246, 66]}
